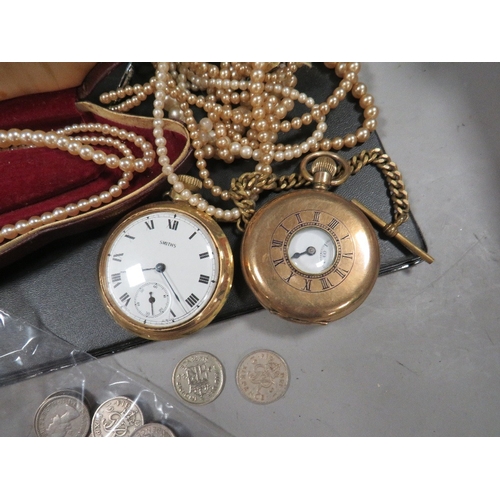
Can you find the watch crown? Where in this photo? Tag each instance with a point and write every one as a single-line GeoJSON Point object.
{"type": "Point", "coordinates": [323, 169]}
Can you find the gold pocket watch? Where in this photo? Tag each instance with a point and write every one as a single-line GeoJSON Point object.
{"type": "Point", "coordinates": [165, 270]}
{"type": "Point", "coordinates": [311, 256]}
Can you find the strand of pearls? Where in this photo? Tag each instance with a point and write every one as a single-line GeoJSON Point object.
{"type": "Point", "coordinates": [247, 105]}
{"type": "Point", "coordinates": [194, 200]}
{"type": "Point", "coordinates": [83, 146]}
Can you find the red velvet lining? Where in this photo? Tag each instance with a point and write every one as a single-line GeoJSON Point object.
{"type": "Point", "coordinates": [37, 180]}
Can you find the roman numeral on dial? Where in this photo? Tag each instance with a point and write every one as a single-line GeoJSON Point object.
{"type": "Point", "coordinates": [116, 279]}
{"type": "Point", "coordinates": [118, 257]}
{"type": "Point", "coordinates": [341, 272]}
{"type": "Point", "coordinates": [125, 298]}
{"type": "Point", "coordinates": [192, 300]}
{"type": "Point", "coordinates": [333, 223]}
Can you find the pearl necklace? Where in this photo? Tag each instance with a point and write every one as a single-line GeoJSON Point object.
{"type": "Point", "coordinates": [246, 106]}
{"type": "Point", "coordinates": [81, 146]}
{"type": "Point", "coordinates": [249, 130]}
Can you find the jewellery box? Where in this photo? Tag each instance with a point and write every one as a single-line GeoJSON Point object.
{"type": "Point", "coordinates": [49, 277]}
{"type": "Point", "coordinates": [37, 180]}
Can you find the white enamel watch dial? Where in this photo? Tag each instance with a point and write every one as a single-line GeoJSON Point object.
{"type": "Point", "coordinates": [165, 270]}
{"type": "Point", "coordinates": [311, 250]}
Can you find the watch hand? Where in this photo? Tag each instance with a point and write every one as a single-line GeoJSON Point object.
{"type": "Point", "coordinates": [161, 268]}
{"type": "Point", "coordinates": [152, 301]}
{"type": "Point", "coordinates": [308, 251]}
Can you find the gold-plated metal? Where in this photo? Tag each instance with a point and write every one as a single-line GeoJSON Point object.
{"type": "Point", "coordinates": [223, 280]}
{"type": "Point", "coordinates": [395, 234]}
{"type": "Point", "coordinates": [310, 256]}
{"type": "Point", "coordinates": [326, 161]}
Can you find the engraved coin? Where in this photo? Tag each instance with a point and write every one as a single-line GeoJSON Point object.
{"type": "Point", "coordinates": [62, 416]}
{"type": "Point", "coordinates": [262, 377]}
{"type": "Point", "coordinates": [117, 417]}
{"type": "Point", "coordinates": [154, 429]}
{"type": "Point", "coordinates": [198, 378]}
{"type": "Point", "coordinates": [67, 392]}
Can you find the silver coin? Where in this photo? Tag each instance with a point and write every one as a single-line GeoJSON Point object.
{"type": "Point", "coordinates": [262, 377]}
{"type": "Point", "coordinates": [117, 417]}
{"type": "Point", "coordinates": [67, 392]}
{"type": "Point", "coordinates": [62, 416]}
{"type": "Point", "coordinates": [199, 378]}
{"type": "Point", "coordinates": [154, 429]}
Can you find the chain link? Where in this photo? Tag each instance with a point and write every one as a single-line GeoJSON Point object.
{"type": "Point", "coordinates": [246, 189]}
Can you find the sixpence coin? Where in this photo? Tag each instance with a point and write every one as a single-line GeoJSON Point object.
{"type": "Point", "coordinates": [262, 377]}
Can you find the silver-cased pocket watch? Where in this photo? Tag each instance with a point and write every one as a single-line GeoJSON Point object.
{"type": "Point", "coordinates": [165, 270]}
{"type": "Point", "coordinates": [311, 256]}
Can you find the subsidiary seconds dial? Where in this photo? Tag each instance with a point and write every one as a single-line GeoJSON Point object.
{"type": "Point", "coordinates": [165, 271]}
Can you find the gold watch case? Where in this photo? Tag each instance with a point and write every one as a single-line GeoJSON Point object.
{"type": "Point", "coordinates": [165, 270]}
{"type": "Point", "coordinates": [323, 277]}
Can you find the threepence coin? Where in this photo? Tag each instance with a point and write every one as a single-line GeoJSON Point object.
{"type": "Point", "coordinates": [154, 429]}
{"type": "Point", "coordinates": [117, 417]}
{"type": "Point", "coordinates": [198, 378]}
{"type": "Point", "coordinates": [62, 415]}
{"type": "Point", "coordinates": [262, 377]}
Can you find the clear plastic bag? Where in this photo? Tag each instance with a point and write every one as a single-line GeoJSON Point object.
{"type": "Point", "coordinates": [35, 365]}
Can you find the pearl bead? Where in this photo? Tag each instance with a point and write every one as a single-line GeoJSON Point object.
{"type": "Point", "coordinates": [370, 124]}
{"type": "Point", "coordinates": [371, 112]}
{"type": "Point", "coordinates": [74, 148]}
{"type": "Point", "coordinates": [172, 178]}
{"type": "Point", "coordinates": [105, 197]}
{"type": "Point", "coordinates": [246, 152]}
{"type": "Point", "coordinates": [47, 218]}
{"type": "Point", "coordinates": [99, 158]}
{"type": "Point", "coordinates": [9, 232]}
{"type": "Point", "coordinates": [362, 134]}
{"type": "Point", "coordinates": [72, 209]}
{"type": "Point", "coordinates": [14, 137]}
{"type": "Point", "coordinates": [112, 161]}
{"type": "Point", "coordinates": [94, 201]}
{"type": "Point", "coordinates": [35, 222]}
{"type": "Point", "coordinates": [350, 140]}
{"type": "Point", "coordinates": [22, 227]}
{"type": "Point", "coordinates": [83, 205]}
{"type": "Point", "coordinates": [115, 191]}
{"type": "Point", "coordinates": [178, 186]}
{"type": "Point", "coordinates": [59, 213]}
{"type": "Point", "coordinates": [123, 184]}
